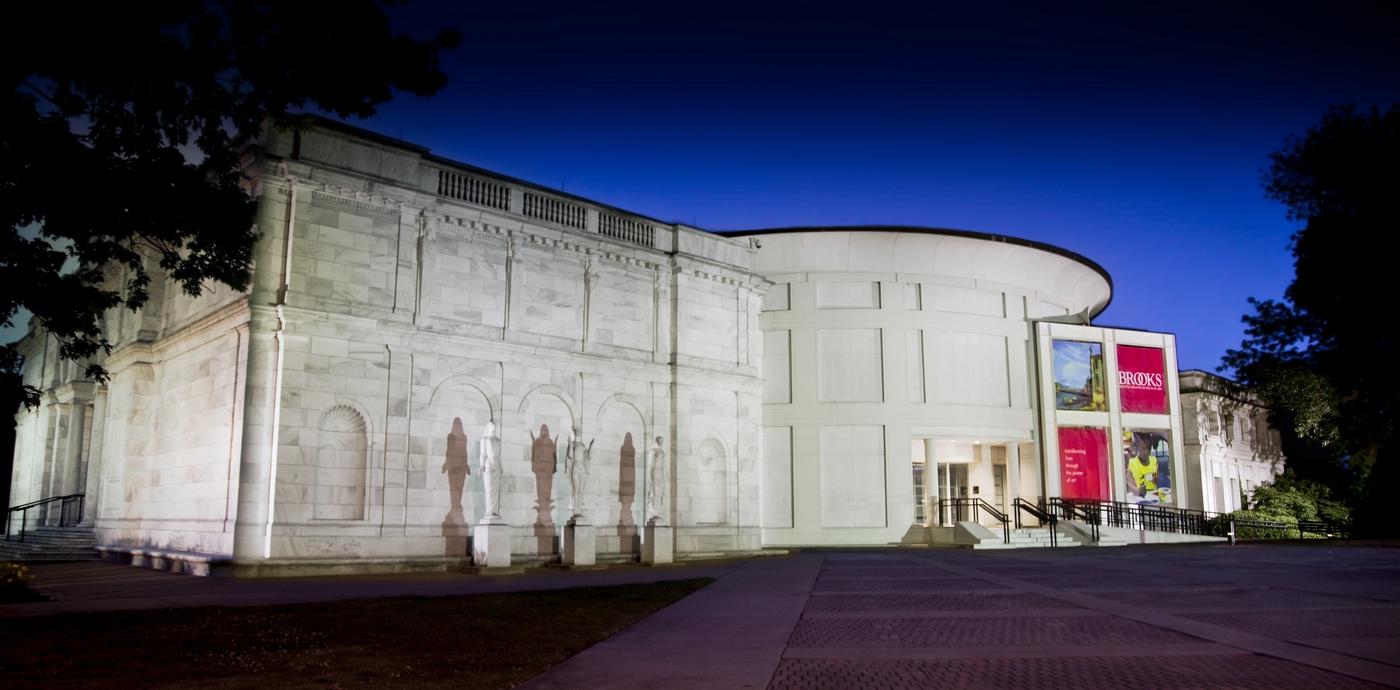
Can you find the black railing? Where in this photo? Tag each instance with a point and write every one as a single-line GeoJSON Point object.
{"type": "Point", "coordinates": [1071, 509]}
{"type": "Point", "coordinates": [960, 509]}
{"type": "Point", "coordinates": [1256, 529]}
{"type": "Point", "coordinates": [1043, 516]}
{"type": "Point", "coordinates": [1324, 529]}
{"type": "Point", "coordinates": [1143, 516]}
{"type": "Point", "coordinates": [1225, 526]}
{"type": "Point", "coordinates": [66, 514]}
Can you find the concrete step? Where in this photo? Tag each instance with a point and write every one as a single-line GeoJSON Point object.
{"type": "Point", "coordinates": [51, 544]}
{"type": "Point", "coordinates": [1039, 537]}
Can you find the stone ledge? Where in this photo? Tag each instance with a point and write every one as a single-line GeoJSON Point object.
{"type": "Point", "coordinates": [183, 562]}
{"type": "Point", "coordinates": [306, 567]}
{"type": "Point", "coordinates": [577, 567]}
{"type": "Point", "coordinates": [483, 570]}
{"type": "Point", "coordinates": [692, 556]}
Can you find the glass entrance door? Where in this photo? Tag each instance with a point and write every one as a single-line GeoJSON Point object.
{"type": "Point", "coordinates": [952, 483]}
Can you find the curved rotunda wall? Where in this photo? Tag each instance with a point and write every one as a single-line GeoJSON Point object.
{"type": "Point", "coordinates": [883, 344]}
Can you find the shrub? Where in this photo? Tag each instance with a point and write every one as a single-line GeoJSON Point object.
{"type": "Point", "coordinates": [1302, 500]}
{"type": "Point", "coordinates": [14, 584]}
{"type": "Point", "coordinates": [1247, 525]}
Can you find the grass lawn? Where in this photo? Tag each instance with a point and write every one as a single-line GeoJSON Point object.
{"type": "Point", "coordinates": [478, 641]}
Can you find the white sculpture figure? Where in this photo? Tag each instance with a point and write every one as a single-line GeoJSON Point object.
{"type": "Point", "coordinates": [656, 482]}
{"type": "Point", "coordinates": [576, 460]}
{"type": "Point", "coordinates": [489, 457]}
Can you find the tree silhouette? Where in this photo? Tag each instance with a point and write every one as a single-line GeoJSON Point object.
{"type": "Point", "coordinates": [125, 125]}
{"type": "Point", "coordinates": [1325, 356]}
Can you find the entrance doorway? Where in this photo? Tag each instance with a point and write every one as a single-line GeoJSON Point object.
{"type": "Point", "coordinates": [952, 483]}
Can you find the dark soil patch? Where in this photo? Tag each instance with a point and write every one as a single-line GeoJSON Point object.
{"type": "Point", "coordinates": [479, 641]}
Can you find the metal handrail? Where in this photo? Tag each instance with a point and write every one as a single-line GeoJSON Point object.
{"type": "Point", "coordinates": [1071, 509]}
{"type": "Point", "coordinates": [1142, 516]}
{"type": "Point", "coordinates": [1043, 516]}
{"type": "Point", "coordinates": [23, 510]}
{"type": "Point", "coordinates": [1324, 528]}
{"type": "Point", "coordinates": [977, 505]}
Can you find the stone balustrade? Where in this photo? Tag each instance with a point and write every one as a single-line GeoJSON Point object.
{"type": "Point", "coordinates": [502, 195]}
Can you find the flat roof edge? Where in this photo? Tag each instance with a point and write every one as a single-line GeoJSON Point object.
{"type": "Point", "coordinates": [947, 232]}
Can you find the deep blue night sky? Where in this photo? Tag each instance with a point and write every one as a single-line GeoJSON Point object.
{"type": "Point", "coordinates": [1133, 133]}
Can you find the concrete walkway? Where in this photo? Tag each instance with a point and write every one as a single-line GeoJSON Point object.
{"type": "Point", "coordinates": [1257, 616]}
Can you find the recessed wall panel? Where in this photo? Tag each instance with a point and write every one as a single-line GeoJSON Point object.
{"type": "Point", "coordinates": [962, 300]}
{"type": "Point", "coordinates": [852, 476]}
{"type": "Point", "coordinates": [849, 368]}
{"type": "Point", "coordinates": [777, 367]}
{"type": "Point", "coordinates": [971, 369]}
{"type": "Point", "coordinates": [848, 295]}
{"type": "Point", "coordinates": [914, 368]}
{"type": "Point", "coordinates": [777, 298]}
{"type": "Point", "coordinates": [777, 477]}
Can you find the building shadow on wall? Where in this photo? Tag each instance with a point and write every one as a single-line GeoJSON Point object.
{"type": "Point", "coordinates": [457, 466]}
{"type": "Point", "coordinates": [542, 465]}
{"type": "Point", "coordinates": [628, 541]}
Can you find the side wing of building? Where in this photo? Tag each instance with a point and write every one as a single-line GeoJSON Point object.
{"type": "Point", "coordinates": [402, 302]}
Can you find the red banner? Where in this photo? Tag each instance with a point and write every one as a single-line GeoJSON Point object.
{"type": "Point", "coordinates": [1142, 379]}
{"type": "Point", "coordinates": [1084, 463]}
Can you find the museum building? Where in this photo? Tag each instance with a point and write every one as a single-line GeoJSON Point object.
{"type": "Point", "coordinates": [791, 386]}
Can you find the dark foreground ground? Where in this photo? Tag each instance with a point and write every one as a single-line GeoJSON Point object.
{"type": "Point", "coordinates": [476, 641]}
{"type": "Point", "coordinates": [1303, 615]}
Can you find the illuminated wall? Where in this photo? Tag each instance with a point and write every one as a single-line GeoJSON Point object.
{"type": "Point", "coordinates": [1115, 436]}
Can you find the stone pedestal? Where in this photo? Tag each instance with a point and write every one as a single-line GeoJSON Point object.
{"type": "Point", "coordinates": [491, 544]}
{"type": "Point", "coordinates": [658, 544]}
{"type": "Point", "coordinates": [580, 543]}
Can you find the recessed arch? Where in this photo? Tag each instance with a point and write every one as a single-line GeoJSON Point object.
{"type": "Point", "coordinates": [493, 401]}
{"type": "Point", "coordinates": [341, 463]}
{"type": "Point", "coordinates": [554, 391]}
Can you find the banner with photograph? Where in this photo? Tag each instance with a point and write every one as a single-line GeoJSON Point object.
{"type": "Point", "coordinates": [1142, 379]}
{"type": "Point", "coordinates": [1084, 463]}
{"type": "Point", "coordinates": [1147, 463]}
{"type": "Point", "coordinates": [1079, 376]}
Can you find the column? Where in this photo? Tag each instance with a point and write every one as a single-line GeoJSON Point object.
{"type": "Point", "coordinates": [1013, 476]}
{"type": "Point", "coordinates": [94, 462]}
{"type": "Point", "coordinates": [55, 458]}
{"type": "Point", "coordinates": [73, 460]}
{"type": "Point", "coordinates": [931, 488]}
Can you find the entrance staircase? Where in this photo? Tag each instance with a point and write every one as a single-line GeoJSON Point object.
{"type": "Point", "coordinates": [980, 537]}
{"type": "Point", "coordinates": [1039, 537]}
{"type": "Point", "coordinates": [50, 544]}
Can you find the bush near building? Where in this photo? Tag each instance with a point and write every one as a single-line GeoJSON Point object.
{"type": "Point", "coordinates": [14, 584]}
{"type": "Point", "coordinates": [1284, 503]}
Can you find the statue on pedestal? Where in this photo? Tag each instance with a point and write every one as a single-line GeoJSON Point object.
{"type": "Point", "coordinates": [656, 482]}
{"type": "Point", "coordinates": [489, 457]}
{"type": "Point", "coordinates": [577, 457]}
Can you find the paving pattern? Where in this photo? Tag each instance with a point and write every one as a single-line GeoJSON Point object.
{"type": "Point", "coordinates": [1184, 671]}
{"type": "Point", "coordinates": [1183, 617]}
{"type": "Point", "coordinates": [1187, 616]}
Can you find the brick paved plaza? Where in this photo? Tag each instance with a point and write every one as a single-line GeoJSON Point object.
{"type": "Point", "coordinates": [1249, 616]}
{"type": "Point", "coordinates": [1189, 616]}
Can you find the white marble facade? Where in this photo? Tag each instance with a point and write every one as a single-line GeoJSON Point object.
{"type": "Point", "coordinates": [808, 385]}
{"type": "Point", "coordinates": [1230, 447]}
{"type": "Point", "coordinates": [400, 302]}
{"type": "Point", "coordinates": [892, 353]}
